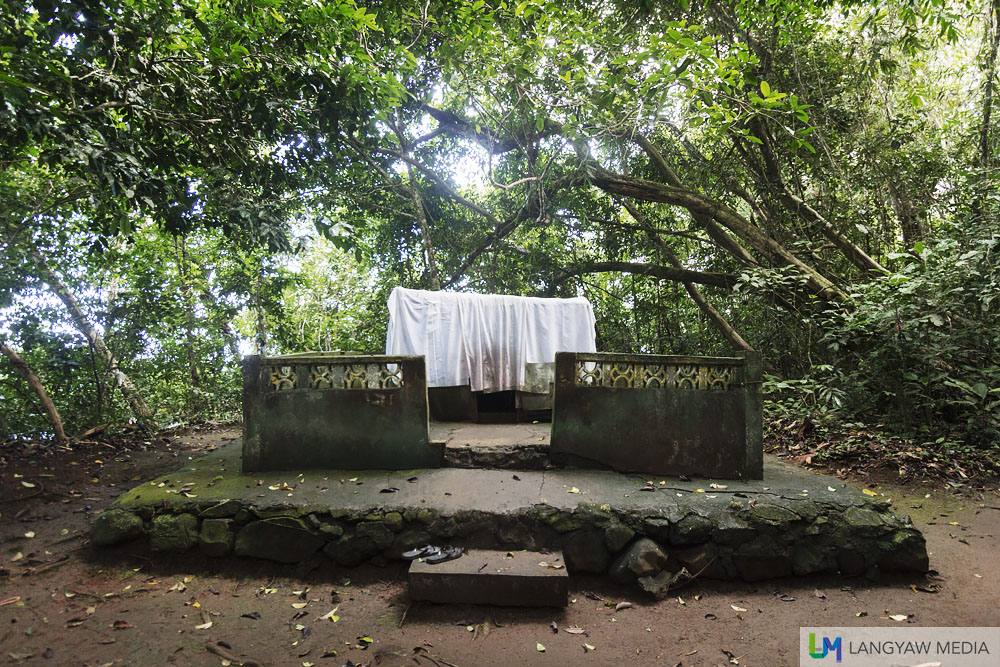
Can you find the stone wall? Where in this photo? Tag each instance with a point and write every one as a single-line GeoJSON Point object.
{"type": "Point", "coordinates": [741, 540]}
{"type": "Point", "coordinates": [662, 415]}
{"type": "Point", "coordinates": [326, 411]}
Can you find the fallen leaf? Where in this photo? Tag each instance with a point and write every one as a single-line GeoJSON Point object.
{"type": "Point", "coordinates": [575, 630]}
{"type": "Point", "coordinates": [898, 617]}
{"type": "Point", "coordinates": [121, 625]}
{"type": "Point", "coordinates": [819, 594]}
{"type": "Point", "coordinates": [587, 648]}
{"type": "Point", "coordinates": [698, 491]}
{"type": "Point", "coordinates": [253, 616]}
{"type": "Point", "coordinates": [331, 615]}
{"type": "Point", "coordinates": [539, 647]}
{"type": "Point", "coordinates": [18, 556]}
{"type": "Point", "coordinates": [299, 605]}
{"type": "Point", "coordinates": [204, 626]}
{"type": "Point", "coordinates": [720, 487]}
{"type": "Point", "coordinates": [735, 608]}
{"type": "Point", "coordinates": [861, 613]}
{"type": "Point", "coordinates": [710, 616]}
{"type": "Point", "coordinates": [551, 566]}
{"type": "Point", "coordinates": [681, 601]}
{"type": "Point", "coordinates": [27, 484]}
{"type": "Point", "coordinates": [389, 489]}
{"type": "Point", "coordinates": [29, 534]}
{"type": "Point", "coordinates": [554, 627]}
{"type": "Point", "coordinates": [574, 490]}
{"type": "Point", "coordinates": [868, 492]}
{"type": "Point", "coordinates": [623, 605]}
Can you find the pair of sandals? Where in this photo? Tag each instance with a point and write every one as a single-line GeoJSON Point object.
{"type": "Point", "coordinates": [432, 554]}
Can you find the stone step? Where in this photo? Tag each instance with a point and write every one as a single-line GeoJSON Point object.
{"type": "Point", "coordinates": [506, 578]}
{"type": "Point", "coordinates": [503, 457]}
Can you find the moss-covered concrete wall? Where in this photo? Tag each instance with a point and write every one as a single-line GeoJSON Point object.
{"type": "Point", "coordinates": [309, 412]}
{"type": "Point", "coordinates": [664, 415]}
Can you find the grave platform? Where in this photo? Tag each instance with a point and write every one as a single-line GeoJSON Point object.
{"type": "Point", "coordinates": [791, 522]}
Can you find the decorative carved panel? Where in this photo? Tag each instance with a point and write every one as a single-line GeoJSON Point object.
{"type": "Point", "coordinates": [335, 376]}
{"type": "Point", "coordinates": [637, 375]}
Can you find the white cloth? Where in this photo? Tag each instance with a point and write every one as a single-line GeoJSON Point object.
{"type": "Point", "coordinates": [484, 340]}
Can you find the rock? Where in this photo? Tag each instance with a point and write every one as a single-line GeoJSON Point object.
{"type": "Point", "coordinates": [224, 510]}
{"type": "Point", "coordinates": [660, 585]}
{"type": "Point", "coordinates": [643, 559]}
{"type": "Point", "coordinates": [732, 530]}
{"type": "Point", "coordinates": [812, 558]}
{"type": "Point", "coordinates": [850, 561]}
{"type": "Point", "coordinates": [617, 536]}
{"type": "Point", "coordinates": [283, 539]}
{"type": "Point", "coordinates": [244, 516]}
{"type": "Point", "coordinates": [518, 535]}
{"type": "Point", "coordinates": [561, 522]}
{"type": "Point", "coordinates": [331, 530]}
{"type": "Point", "coordinates": [216, 538]}
{"type": "Point", "coordinates": [114, 526]}
{"type": "Point", "coordinates": [351, 550]}
{"type": "Point", "coordinates": [393, 521]}
{"type": "Point", "coordinates": [173, 532]}
{"type": "Point", "coordinates": [692, 529]}
{"type": "Point", "coordinates": [821, 525]}
{"type": "Point", "coordinates": [905, 551]}
{"type": "Point", "coordinates": [584, 551]}
{"type": "Point", "coordinates": [656, 528]}
{"type": "Point", "coordinates": [774, 515]}
{"type": "Point", "coordinates": [863, 521]}
{"type": "Point", "coordinates": [406, 540]}
{"type": "Point", "coordinates": [377, 532]}
{"type": "Point", "coordinates": [701, 561]}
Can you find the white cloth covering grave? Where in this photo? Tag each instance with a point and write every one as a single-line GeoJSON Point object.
{"type": "Point", "coordinates": [485, 340]}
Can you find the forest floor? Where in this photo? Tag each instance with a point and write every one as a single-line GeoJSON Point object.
{"type": "Point", "coordinates": [65, 603]}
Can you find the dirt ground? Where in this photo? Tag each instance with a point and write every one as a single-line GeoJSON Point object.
{"type": "Point", "coordinates": [64, 603]}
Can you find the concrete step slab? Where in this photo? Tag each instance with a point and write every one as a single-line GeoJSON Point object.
{"type": "Point", "coordinates": [506, 578]}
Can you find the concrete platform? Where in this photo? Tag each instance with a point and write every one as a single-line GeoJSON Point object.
{"type": "Point", "coordinates": [506, 578]}
{"type": "Point", "coordinates": [502, 446]}
{"type": "Point", "coordinates": [791, 522]}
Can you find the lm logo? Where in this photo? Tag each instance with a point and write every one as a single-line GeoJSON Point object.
{"type": "Point", "coordinates": [828, 647]}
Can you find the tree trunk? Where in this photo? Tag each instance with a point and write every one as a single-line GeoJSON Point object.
{"type": "Point", "coordinates": [418, 204]}
{"type": "Point", "coordinates": [697, 203]}
{"type": "Point", "coordinates": [723, 280]}
{"type": "Point", "coordinates": [83, 325]}
{"type": "Point", "coordinates": [36, 386]}
{"type": "Point", "coordinates": [260, 343]}
{"type": "Point", "coordinates": [717, 233]}
{"type": "Point", "coordinates": [797, 206]}
{"type": "Point", "coordinates": [232, 340]}
{"type": "Point", "coordinates": [989, 84]}
{"type": "Point", "coordinates": [190, 320]}
{"type": "Point", "coordinates": [714, 316]}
